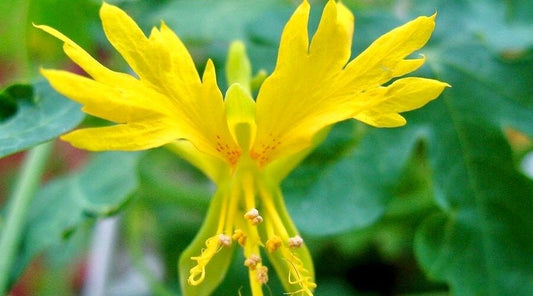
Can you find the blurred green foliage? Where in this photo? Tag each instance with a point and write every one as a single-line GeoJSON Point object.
{"type": "Point", "coordinates": [434, 207]}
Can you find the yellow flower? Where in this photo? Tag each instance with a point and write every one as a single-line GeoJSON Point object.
{"type": "Point", "coordinates": [245, 146]}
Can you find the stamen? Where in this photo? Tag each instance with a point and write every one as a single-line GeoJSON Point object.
{"type": "Point", "coordinates": [197, 273]}
{"type": "Point", "coordinates": [252, 261]}
{"type": "Point", "coordinates": [253, 216]}
{"type": "Point", "coordinates": [224, 240]}
{"type": "Point", "coordinates": [295, 242]}
{"type": "Point", "coordinates": [298, 274]}
{"type": "Point", "coordinates": [257, 220]}
{"type": "Point", "coordinates": [273, 244]}
{"type": "Point", "coordinates": [262, 274]}
{"type": "Point", "coordinates": [239, 236]}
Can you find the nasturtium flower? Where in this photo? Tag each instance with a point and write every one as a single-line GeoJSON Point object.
{"type": "Point", "coordinates": [245, 146]}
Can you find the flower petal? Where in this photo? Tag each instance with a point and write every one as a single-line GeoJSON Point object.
{"type": "Point", "coordinates": [119, 105]}
{"type": "Point", "coordinates": [140, 135]}
{"type": "Point", "coordinates": [310, 90]}
{"type": "Point", "coordinates": [83, 59]}
{"type": "Point", "coordinates": [168, 84]}
{"type": "Point", "coordinates": [403, 95]}
{"type": "Point", "coordinates": [331, 45]}
{"type": "Point", "coordinates": [160, 60]}
{"type": "Point", "coordinates": [163, 62]}
{"type": "Point", "coordinates": [294, 40]}
{"type": "Point", "coordinates": [385, 59]}
{"type": "Point", "coordinates": [297, 89]}
{"type": "Point", "coordinates": [130, 41]}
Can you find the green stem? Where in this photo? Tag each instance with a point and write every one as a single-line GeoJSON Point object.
{"type": "Point", "coordinates": [28, 182]}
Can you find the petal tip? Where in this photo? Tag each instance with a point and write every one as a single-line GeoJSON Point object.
{"type": "Point", "coordinates": [107, 10]}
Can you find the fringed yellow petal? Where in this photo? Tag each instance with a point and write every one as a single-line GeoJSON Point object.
{"type": "Point", "coordinates": [298, 90]}
{"type": "Point", "coordinates": [294, 40]}
{"type": "Point", "coordinates": [378, 119]}
{"type": "Point", "coordinates": [403, 95]}
{"type": "Point", "coordinates": [119, 105]}
{"type": "Point", "coordinates": [182, 63]}
{"type": "Point", "coordinates": [129, 40]}
{"type": "Point", "coordinates": [140, 135]}
{"type": "Point", "coordinates": [331, 45]}
{"type": "Point", "coordinates": [160, 60]}
{"type": "Point", "coordinates": [207, 111]}
{"type": "Point", "coordinates": [385, 58]}
{"type": "Point", "coordinates": [83, 59]}
{"type": "Point", "coordinates": [168, 84]}
{"type": "Point", "coordinates": [314, 89]}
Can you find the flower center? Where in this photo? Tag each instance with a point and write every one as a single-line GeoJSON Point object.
{"type": "Point", "coordinates": [250, 215]}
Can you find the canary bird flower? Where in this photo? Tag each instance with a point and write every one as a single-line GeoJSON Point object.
{"type": "Point", "coordinates": [245, 145]}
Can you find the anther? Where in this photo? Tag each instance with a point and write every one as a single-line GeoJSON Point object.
{"type": "Point", "coordinates": [295, 242]}
{"type": "Point", "coordinates": [253, 216]}
{"type": "Point", "coordinates": [252, 261]}
{"type": "Point", "coordinates": [273, 244]}
{"type": "Point", "coordinates": [257, 220]}
{"type": "Point", "coordinates": [224, 240]}
{"type": "Point", "coordinates": [262, 274]}
{"type": "Point", "coordinates": [239, 236]}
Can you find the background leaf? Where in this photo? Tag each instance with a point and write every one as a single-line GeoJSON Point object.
{"type": "Point", "coordinates": [354, 190]}
{"type": "Point", "coordinates": [101, 189]}
{"type": "Point", "coordinates": [486, 203]}
{"type": "Point", "coordinates": [42, 118]}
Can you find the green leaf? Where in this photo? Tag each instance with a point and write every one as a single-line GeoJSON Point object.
{"type": "Point", "coordinates": [44, 117]}
{"type": "Point", "coordinates": [228, 21]}
{"type": "Point", "coordinates": [481, 242]}
{"type": "Point", "coordinates": [188, 18]}
{"type": "Point", "coordinates": [502, 25]}
{"type": "Point", "coordinates": [72, 18]}
{"type": "Point", "coordinates": [354, 190]}
{"type": "Point", "coordinates": [10, 97]}
{"type": "Point", "coordinates": [101, 189]}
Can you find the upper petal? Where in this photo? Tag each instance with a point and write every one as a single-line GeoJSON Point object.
{"type": "Point", "coordinates": [168, 84]}
{"type": "Point", "coordinates": [385, 58]}
{"type": "Point", "coordinates": [163, 62]}
{"type": "Point", "coordinates": [301, 82]}
{"type": "Point", "coordinates": [403, 95]}
{"type": "Point", "coordinates": [83, 59]}
{"type": "Point", "coordinates": [312, 88]}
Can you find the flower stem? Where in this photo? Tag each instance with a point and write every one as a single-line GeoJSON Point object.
{"type": "Point", "coordinates": [28, 182]}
